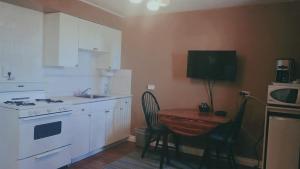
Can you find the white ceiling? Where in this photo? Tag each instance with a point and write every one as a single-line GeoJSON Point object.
{"type": "Point", "coordinates": [124, 8]}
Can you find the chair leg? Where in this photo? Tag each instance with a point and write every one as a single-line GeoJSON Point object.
{"type": "Point", "coordinates": [205, 158]}
{"type": "Point", "coordinates": [177, 143]}
{"type": "Point", "coordinates": [147, 144]}
{"type": "Point", "coordinates": [164, 150]}
{"type": "Point", "coordinates": [232, 157]}
{"type": "Point", "coordinates": [157, 142]}
{"type": "Point", "coordinates": [217, 156]}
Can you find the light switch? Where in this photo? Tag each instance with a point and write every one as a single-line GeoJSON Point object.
{"type": "Point", "coordinates": [5, 70]}
{"type": "Point", "coordinates": [151, 87]}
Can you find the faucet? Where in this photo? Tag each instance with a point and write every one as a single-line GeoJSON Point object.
{"type": "Point", "coordinates": [84, 92]}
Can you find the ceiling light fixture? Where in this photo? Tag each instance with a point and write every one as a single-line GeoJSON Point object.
{"type": "Point", "coordinates": [136, 1]}
{"type": "Point", "coordinates": [153, 5]}
{"type": "Point", "coordinates": [164, 3]}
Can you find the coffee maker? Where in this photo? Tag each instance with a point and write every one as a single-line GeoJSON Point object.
{"type": "Point", "coordinates": [285, 70]}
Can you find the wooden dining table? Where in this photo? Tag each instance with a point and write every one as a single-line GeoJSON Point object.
{"type": "Point", "coordinates": [187, 122]}
{"type": "Point", "coordinates": [190, 122]}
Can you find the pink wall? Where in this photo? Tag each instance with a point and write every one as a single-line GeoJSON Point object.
{"type": "Point", "coordinates": [155, 48]}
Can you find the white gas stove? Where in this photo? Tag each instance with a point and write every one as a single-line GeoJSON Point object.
{"type": "Point", "coordinates": [36, 129]}
{"type": "Point", "coordinates": [37, 107]}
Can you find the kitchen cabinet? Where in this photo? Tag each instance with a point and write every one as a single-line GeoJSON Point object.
{"type": "Point", "coordinates": [65, 35]}
{"type": "Point", "coordinates": [98, 124]}
{"type": "Point", "coordinates": [109, 135]}
{"type": "Point", "coordinates": [121, 119]}
{"type": "Point", "coordinates": [112, 58]}
{"type": "Point", "coordinates": [89, 130]}
{"type": "Point", "coordinates": [60, 40]}
{"type": "Point", "coordinates": [91, 37]}
{"type": "Point", "coordinates": [81, 128]}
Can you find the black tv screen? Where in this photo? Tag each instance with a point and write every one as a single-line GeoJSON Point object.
{"type": "Point", "coordinates": [212, 65]}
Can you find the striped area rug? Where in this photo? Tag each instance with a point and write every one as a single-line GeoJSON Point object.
{"type": "Point", "coordinates": [151, 161]}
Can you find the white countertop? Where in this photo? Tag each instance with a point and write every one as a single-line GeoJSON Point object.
{"type": "Point", "coordinates": [79, 100]}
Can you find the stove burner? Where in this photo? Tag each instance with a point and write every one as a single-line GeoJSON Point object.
{"type": "Point", "coordinates": [49, 100]}
{"type": "Point", "coordinates": [19, 103]}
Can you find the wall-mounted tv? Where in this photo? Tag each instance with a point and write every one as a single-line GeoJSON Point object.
{"type": "Point", "coordinates": [212, 65]}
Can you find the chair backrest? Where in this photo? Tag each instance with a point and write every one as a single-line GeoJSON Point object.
{"type": "Point", "coordinates": [237, 123]}
{"type": "Point", "coordinates": [150, 109]}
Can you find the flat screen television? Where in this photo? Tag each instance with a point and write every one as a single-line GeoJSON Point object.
{"type": "Point", "coordinates": [212, 65]}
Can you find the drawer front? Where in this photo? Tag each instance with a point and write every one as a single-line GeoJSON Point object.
{"type": "Point", "coordinates": [49, 160]}
{"type": "Point", "coordinates": [106, 105]}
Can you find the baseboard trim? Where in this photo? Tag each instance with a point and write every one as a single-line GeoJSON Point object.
{"type": "Point", "coordinates": [196, 151]}
{"type": "Point", "coordinates": [131, 138]}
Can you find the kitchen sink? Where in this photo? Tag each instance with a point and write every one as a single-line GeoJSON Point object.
{"type": "Point", "coordinates": [91, 96]}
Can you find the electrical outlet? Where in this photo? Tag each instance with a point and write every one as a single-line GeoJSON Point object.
{"type": "Point", "coordinates": [151, 86]}
{"type": "Point", "coordinates": [245, 93]}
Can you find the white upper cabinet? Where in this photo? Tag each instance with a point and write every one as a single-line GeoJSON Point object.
{"type": "Point", "coordinates": [60, 40]}
{"type": "Point", "coordinates": [91, 37]}
{"type": "Point", "coordinates": [65, 35]}
{"type": "Point", "coordinates": [112, 58]}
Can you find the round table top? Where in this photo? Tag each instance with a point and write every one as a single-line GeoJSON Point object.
{"type": "Point", "coordinates": [190, 122]}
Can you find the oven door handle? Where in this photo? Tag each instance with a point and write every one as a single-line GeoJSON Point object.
{"type": "Point", "coordinates": [50, 153]}
{"type": "Point", "coordinates": [46, 116]}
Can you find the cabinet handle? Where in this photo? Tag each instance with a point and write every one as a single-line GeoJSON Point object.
{"type": "Point", "coordinates": [82, 109]}
{"type": "Point", "coordinates": [89, 115]}
{"type": "Point", "coordinates": [107, 111]}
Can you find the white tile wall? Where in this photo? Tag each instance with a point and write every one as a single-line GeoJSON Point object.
{"type": "Point", "coordinates": [21, 42]}
{"type": "Point", "coordinates": [66, 81]}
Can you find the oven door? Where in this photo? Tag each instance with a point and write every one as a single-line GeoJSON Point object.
{"type": "Point", "coordinates": [289, 96]}
{"type": "Point", "coordinates": [44, 133]}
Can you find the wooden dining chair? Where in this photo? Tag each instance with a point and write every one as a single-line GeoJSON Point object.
{"type": "Point", "coordinates": [154, 130]}
{"type": "Point", "coordinates": [224, 137]}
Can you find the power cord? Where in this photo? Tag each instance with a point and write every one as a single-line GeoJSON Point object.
{"type": "Point", "coordinates": [260, 139]}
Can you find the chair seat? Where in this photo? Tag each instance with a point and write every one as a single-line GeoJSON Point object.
{"type": "Point", "coordinates": [159, 128]}
{"type": "Point", "coordinates": [220, 138]}
{"type": "Point", "coordinates": [222, 133]}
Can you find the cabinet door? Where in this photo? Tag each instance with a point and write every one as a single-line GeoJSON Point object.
{"type": "Point", "coordinates": [60, 40]}
{"type": "Point", "coordinates": [127, 112]}
{"type": "Point", "coordinates": [68, 41]}
{"type": "Point", "coordinates": [101, 41]}
{"type": "Point", "coordinates": [97, 129]}
{"type": "Point", "coordinates": [87, 35]}
{"type": "Point", "coordinates": [80, 132]}
{"type": "Point", "coordinates": [109, 137]}
{"type": "Point", "coordinates": [117, 121]}
{"type": "Point", "coordinates": [115, 48]}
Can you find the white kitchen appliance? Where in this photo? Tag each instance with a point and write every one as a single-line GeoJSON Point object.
{"type": "Point", "coordinates": [282, 128]}
{"type": "Point", "coordinates": [284, 94]}
{"type": "Point", "coordinates": [34, 131]}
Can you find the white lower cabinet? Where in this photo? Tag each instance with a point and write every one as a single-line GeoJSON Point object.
{"type": "Point", "coordinates": [121, 119]}
{"type": "Point", "coordinates": [98, 124]}
{"type": "Point", "coordinates": [81, 131]}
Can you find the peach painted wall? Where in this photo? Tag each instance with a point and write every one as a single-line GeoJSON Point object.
{"type": "Point", "coordinates": [155, 48]}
